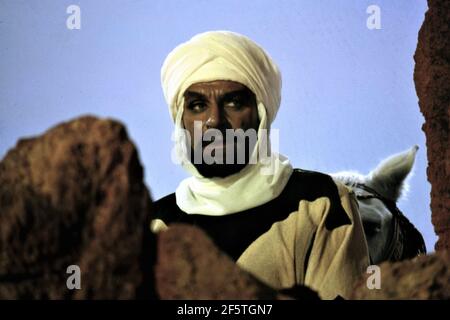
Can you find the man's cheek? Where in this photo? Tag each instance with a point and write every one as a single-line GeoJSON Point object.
{"type": "Point", "coordinates": [196, 141]}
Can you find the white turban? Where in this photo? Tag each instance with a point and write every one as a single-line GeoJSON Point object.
{"type": "Point", "coordinates": [221, 55]}
{"type": "Point", "coordinates": [224, 55]}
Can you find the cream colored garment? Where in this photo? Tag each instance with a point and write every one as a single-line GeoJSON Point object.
{"type": "Point", "coordinates": [223, 55]}
{"type": "Point", "coordinates": [337, 257]}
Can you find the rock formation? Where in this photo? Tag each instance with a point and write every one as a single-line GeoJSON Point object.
{"type": "Point", "coordinates": [432, 79]}
{"type": "Point", "coordinates": [75, 196]}
{"type": "Point", "coordinates": [425, 277]}
{"type": "Point", "coordinates": [184, 271]}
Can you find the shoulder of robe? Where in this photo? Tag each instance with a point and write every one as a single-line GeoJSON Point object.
{"type": "Point", "coordinates": [313, 185]}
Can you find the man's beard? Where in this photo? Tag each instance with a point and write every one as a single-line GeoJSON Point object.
{"type": "Point", "coordinates": [223, 169]}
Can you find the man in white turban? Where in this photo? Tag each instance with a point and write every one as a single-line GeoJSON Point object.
{"type": "Point", "coordinates": [286, 226]}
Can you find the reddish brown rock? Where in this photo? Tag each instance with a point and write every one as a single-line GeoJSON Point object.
{"type": "Point", "coordinates": [189, 266]}
{"type": "Point", "coordinates": [432, 80]}
{"type": "Point", "coordinates": [75, 196]}
{"type": "Point", "coordinates": [425, 277]}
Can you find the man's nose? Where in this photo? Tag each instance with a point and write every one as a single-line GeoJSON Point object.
{"type": "Point", "coordinates": [215, 117]}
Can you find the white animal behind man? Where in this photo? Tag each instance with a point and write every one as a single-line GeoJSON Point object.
{"type": "Point", "coordinates": [390, 235]}
{"type": "Point", "coordinates": [289, 227]}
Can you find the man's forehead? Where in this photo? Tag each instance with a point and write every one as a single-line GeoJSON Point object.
{"type": "Point", "coordinates": [221, 85]}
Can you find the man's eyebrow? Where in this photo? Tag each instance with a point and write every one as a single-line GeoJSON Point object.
{"type": "Point", "coordinates": [194, 95]}
{"type": "Point", "coordinates": [226, 96]}
{"type": "Point", "coordinates": [241, 92]}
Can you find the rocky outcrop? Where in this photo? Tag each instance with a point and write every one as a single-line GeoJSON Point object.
{"type": "Point", "coordinates": [432, 80]}
{"type": "Point", "coordinates": [425, 277]}
{"type": "Point", "coordinates": [191, 267]}
{"type": "Point", "coordinates": [75, 196]}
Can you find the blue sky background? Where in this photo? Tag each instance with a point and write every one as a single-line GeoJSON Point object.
{"type": "Point", "coordinates": [348, 98]}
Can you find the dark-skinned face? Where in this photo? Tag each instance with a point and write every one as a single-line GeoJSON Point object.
{"type": "Point", "coordinates": [219, 105]}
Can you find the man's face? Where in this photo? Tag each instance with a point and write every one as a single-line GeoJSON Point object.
{"type": "Point", "coordinates": [219, 105]}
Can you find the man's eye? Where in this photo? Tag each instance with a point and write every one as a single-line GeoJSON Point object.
{"type": "Point", "coordinates": [234, 103]}
{"type": "Point", "coordinates": [196, 106]}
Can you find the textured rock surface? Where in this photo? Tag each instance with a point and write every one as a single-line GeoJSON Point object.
{"type": "Point", "coordinates": [191, 267]}
{"type": "Point", "coordinates": [75, 195]}
{"type": "Point", "coordinates": [432, 80]}
{"type": "Point", "coordinates": [425, 277]}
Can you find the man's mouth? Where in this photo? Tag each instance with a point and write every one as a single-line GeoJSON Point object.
{"type": "Point", "coordinates": [220, 144]}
